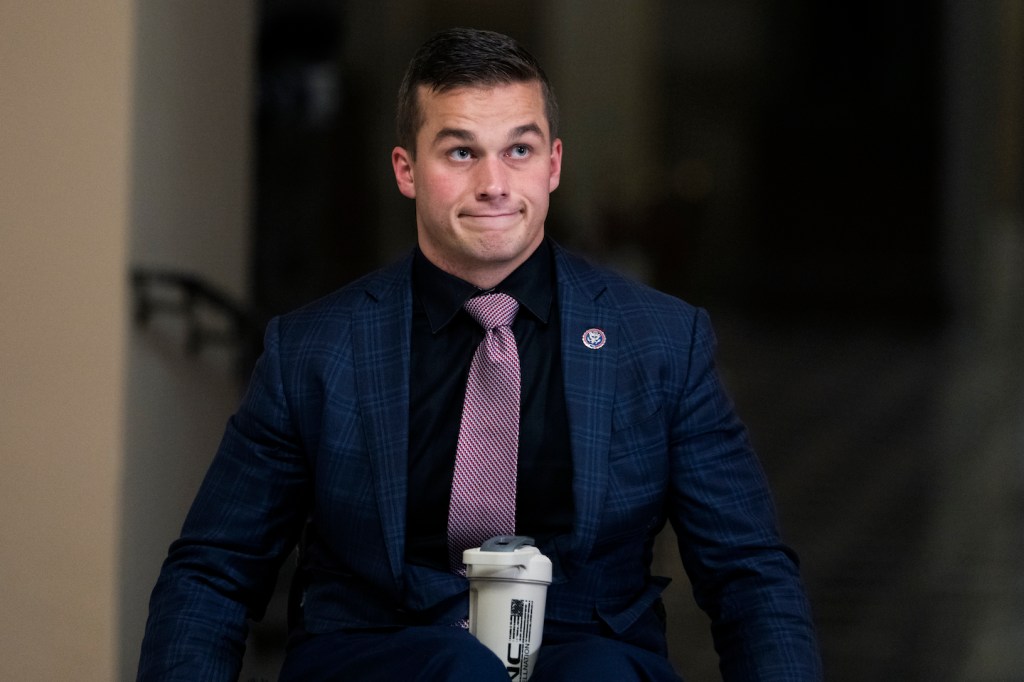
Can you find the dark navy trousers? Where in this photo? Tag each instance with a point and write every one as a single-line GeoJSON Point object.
{"type": "Point", "coordinates": [449, 654]}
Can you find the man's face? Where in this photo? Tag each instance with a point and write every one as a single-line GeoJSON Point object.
{"type": "Point", "coordinates": [483, 169]}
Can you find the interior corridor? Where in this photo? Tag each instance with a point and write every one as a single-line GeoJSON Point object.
{"type": "Point", "coordinates": [896, 462]}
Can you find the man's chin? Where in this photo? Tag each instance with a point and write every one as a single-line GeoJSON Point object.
{"type": "Point", "coordinates": [504, 245]}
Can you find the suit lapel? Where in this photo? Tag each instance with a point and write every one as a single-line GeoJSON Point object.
{"type": "Point", "coordinates": [589, 375]}
{"type": "Point", "coordinates": [381, 332]}
{"type": "Point", "coordinates": [381, 335]}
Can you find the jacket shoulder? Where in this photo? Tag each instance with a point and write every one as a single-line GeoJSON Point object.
{"type": "Point", "coordinates": [385, 285]}
{"type": "Point", "coordinates": [611, 287]}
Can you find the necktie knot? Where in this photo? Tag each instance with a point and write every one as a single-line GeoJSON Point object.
{"type": "Point", "coordinates": [492, 310]}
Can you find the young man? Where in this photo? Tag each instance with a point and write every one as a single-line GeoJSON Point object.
{"type": "Point", "coordinates": [354, 426]}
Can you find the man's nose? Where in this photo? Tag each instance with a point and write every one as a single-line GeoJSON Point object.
{"type": "Point", "coordinates": [492, 178]}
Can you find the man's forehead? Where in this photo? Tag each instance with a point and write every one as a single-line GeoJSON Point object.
{"type": "Point", "coordinates": [520, 104]}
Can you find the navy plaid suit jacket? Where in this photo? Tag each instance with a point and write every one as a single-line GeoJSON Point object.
{"type": "Point", "coordinates": [318, 448]}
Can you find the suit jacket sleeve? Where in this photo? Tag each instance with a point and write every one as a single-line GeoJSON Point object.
{"type": "Point", "coordinates": [743, 576]}
{"type": "Point", "coordinates": [242, 524]}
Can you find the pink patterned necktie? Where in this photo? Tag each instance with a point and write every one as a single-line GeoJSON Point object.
{"type": "Point", "coordinates": [483, 502]}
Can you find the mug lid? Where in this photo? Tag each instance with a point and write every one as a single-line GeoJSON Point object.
{"type": "Point", "coordinates": [512, 557]}
{"type": "Point", "coordinates": [507, 543]}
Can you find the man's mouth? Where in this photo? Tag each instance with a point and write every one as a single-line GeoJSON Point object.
{"type": "Point", "coordinates": [495, 218]}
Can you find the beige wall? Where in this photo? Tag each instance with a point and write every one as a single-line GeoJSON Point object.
{"type": "Point", "coordinates": [124, 140]}
{"type": "Point", "coordinates": [189, 212]}
{"type": "Point", "coordinates": [65, 100]}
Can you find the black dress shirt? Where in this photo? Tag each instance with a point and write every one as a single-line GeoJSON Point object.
{"type": "Point", "coordinates": [444, 338]}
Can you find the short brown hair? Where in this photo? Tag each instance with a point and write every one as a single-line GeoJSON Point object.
{"type": "Point", "coordinates": [462, 57]}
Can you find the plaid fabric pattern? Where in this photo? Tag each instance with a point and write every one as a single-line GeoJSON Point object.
{"type": "Point", "coordinates": [319, 447]}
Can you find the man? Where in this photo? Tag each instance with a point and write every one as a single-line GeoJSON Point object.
{"type": "Point", "coordinates": [353, 431]}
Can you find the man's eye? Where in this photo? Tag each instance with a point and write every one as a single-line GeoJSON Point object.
{"type": "Point", "coordinates": [519, 151]}
{"type": "Point", "coordinates": [460, 154]}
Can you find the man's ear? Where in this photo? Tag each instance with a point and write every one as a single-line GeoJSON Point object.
{"type": "Point", "coordinates": [402, 163]}
{"type": "Point", "coordinates": [555, 171]}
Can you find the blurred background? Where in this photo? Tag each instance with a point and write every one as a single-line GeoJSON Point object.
{"type": "Point", "coordinates": [840, 184]}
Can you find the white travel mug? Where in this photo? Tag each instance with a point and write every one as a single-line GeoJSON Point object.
{"type": "Point", "coordinates": [508, 586]}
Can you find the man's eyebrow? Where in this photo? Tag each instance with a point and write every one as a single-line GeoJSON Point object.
{"type": "Point", "coordinates": [463, 135]}
{"type": "Point", "coordinates": [519, 131]}
{"type": "Point", "coordinates": [455, 133]}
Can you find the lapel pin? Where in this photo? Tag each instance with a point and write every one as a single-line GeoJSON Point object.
{"type": "Point", "coordinates": [594, 338]}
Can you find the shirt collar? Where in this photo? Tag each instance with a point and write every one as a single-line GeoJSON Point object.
{"type": "Point", "coordinates": [443, 294]}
